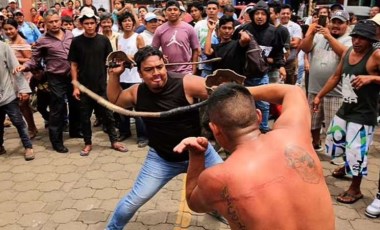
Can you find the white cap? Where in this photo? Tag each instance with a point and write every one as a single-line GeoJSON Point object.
{"type": "Point", "coordinates": [149, 16]}
{"type": "Point", "coordinates": [376, 19]}
{"type": "Point", "coordinates": [12, 1]}
{"type": "Point", "coordinates": [1, 14]}
{"type": "Point", "coordinates": [88, 12]}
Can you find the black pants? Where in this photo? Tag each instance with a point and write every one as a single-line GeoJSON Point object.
{"type": "Point", "coordinates": [61, 89]}
{"type": "Point", "coordinates": [87, 106]}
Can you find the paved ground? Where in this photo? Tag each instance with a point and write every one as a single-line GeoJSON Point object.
{"type": "Point", "coordinates": [67, 191]}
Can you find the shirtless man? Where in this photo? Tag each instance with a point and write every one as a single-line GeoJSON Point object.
{"type": "Point", "coordinates": [261, 185]}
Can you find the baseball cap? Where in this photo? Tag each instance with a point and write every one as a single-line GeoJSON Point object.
{"type": "Point", "coordinates": [376, 19]}
{"type": "Point", "coordinates": [365, 29]}
{"type": "Point", "coordinates": [149, 16]}
{"type": "Point", "coordinates": [337, 6]}
{"type": "Point", "coordinates": [18, 12]}
{"type": "Point", "coordinates": [12, 1]}
{"type": "Point", "coordinates": [87, 12]}
{"type": "Point", "coordinates": [341, 15]}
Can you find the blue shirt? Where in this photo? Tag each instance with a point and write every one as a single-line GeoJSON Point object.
{"type": "Point", "coordinates": [30, 31]}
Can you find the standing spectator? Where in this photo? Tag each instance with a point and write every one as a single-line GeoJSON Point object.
{"type": "Point", "coordinates": [266, 36]}
{"type": "Point", "coordinates": [196, 11]}
{"type": "Point", "coordinates": [36, 17]}
{"type": "Point", "coordinates": [201, 29]}
{"type": "Point", "coordinates": [326, 46]}
{"type": "Point", "coordinates": [373, 11]}
{"type": "Point", "coordinates": [13, 6]}
{"type": "Point", "coordinates": [229, 10]}
{"type": "Point", "coordinates": [77, 6]}
{"type": "Point", "coordinates": [67, 23]}
{"type": "Point", "coordinates": [69, 11]}
{"type": "Point", "coordinates": [351, 130]}
{"type": "Point", "coordinates": [129, 42]}
{"type": "Point", "coordinates": [177, 39]}
{"type": "Point", "coordinates": [87, 56]}
{"type": "Point", "coordinates": [58, 8]}
{"type": "Point", "coordinates": [150, 27]}
{"type": "Point", "coordinates": [160, 16]}
{"type": "Point", "coordinates": [106, 22]}
{"type": "Point", "coordinates": [89, 4]}
{"type": "Point", "coordinates": [13, 89]}
{"type": "Point", "coordinates": [53, 48]}
{"type": "Point", "coordinates": [23, 54]}
{"type": "Point", "coordinates": [231, 51]}
{"type": "Point", "coordinates": [28, 29]}
{"type": "Point", "coordinates": [142, 11]}
{"type": "Point", "coordinates": [2, 19]}
{"type": "Point", "coordinates": [78, 30]}
{"type": "Point", "coordinates": [295, 33]}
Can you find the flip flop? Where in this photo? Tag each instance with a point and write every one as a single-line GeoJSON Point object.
{"type": "Point", "coordinates": [85, 151]}
{"type": "Point", "coordinates": [339, 172]}
{"type": "Point", "coordinates": [119, 147]}
{"type": "Point", "coordinates": [347, 198]}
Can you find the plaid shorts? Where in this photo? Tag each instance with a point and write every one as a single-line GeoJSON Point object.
{"type": "Point", "coordinates": [327, 110]}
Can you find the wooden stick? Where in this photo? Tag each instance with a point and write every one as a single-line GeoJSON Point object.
{"type": "Point", "coordinates": [100, 100]}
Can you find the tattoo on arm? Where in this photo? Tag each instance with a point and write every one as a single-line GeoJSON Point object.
{"type": "Point", "coordinates": [231, 209]}
{"type": "Point", "coordinates": [300, 160]}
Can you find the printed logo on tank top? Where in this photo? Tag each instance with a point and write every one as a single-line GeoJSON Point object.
{"type": "Point", "coordinates": [173, 40]}
{"type": "Point", "coordinates": [349, 95]}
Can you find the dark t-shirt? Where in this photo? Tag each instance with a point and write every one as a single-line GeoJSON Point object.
{"type": "Point", "coordinates": [90, 54]}
{"type": "Point", "coordinates": [232, 54]}
{"type": "Point", "coordinates": [165, 133]}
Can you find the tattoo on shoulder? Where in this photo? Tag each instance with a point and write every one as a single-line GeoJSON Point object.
{"type": "Point", "coordinates": [300, 160]}
{"type": "Point", "coordinates": [231, 209]}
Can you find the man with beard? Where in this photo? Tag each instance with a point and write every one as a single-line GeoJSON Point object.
{"type": "Point", "coordinates": [266, 36]}
{"type": "Point", "coordinates": [326, 46]}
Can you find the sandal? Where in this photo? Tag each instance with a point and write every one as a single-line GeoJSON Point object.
{"type": "Point", "coordinates": [119, 147]}
{"type": "Point", "coordinates": [339, 172]}
{"type": "Point", "coordinates": [86, 151]}
{"type": "Point", "coordinates": [347, 198]}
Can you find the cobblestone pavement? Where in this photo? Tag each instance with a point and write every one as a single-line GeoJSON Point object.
{"type": "Point", "coordinates": [67, 191]}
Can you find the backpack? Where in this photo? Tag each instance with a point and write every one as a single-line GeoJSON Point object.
{"type": "Point", "coordinates": [255, 63]}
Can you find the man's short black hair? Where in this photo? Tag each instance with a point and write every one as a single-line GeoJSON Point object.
{"type": "Point", "coordinates": [124, 16]}
{"type": "Point", "coordinates": [231, 107]}
{"type": "Point", "coordinates": [67, 19]}
{"type": "Point", "coordinates": [213, 2]}
{"type": "Point", "coordinates": [225, 19]}
{"type": "Point", "coordinates": [143, 53]}
{"type": "Point", "coordinates": [286, 6]}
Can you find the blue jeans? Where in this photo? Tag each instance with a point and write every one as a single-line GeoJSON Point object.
{"type": "Point", "coordinates": [14, 114]}
{"type": "Point", "coordinates": [262, 105]}
{"type": "Point", "coordinates": [154, 174]}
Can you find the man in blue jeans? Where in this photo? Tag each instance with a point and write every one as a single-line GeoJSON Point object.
{"type": "Point", "coordinates": [160, 91]}
{"type": "Point", "coordinates": [10, 87]}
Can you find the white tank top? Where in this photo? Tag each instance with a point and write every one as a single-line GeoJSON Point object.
{"type": "Point", "coordinates": [129, 46]}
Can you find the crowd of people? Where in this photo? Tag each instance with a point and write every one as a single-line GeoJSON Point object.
{"type": "Point", "coordinates": [331, 55]}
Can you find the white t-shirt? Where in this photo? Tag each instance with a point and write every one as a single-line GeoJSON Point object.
{"type": "Point", "coordinates": [129, 46]}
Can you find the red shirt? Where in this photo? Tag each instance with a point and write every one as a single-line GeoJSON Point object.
{"type": "Point", "coordinates": [67, 12]}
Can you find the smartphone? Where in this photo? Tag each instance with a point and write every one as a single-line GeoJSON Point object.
{"type": "Point", "coordinates": [322, 20]}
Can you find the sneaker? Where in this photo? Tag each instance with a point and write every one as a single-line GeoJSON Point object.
{"type": "Point", "coordinates": [2, 150]}
{"type": "Point", "coordinates": [142, 143]}
{"type": "Point", "coordinates": [318, 148]}
{"type": "Point", "coordinates": [373, 210]}
{"type": "Point", "coordinates": [337, 161]}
